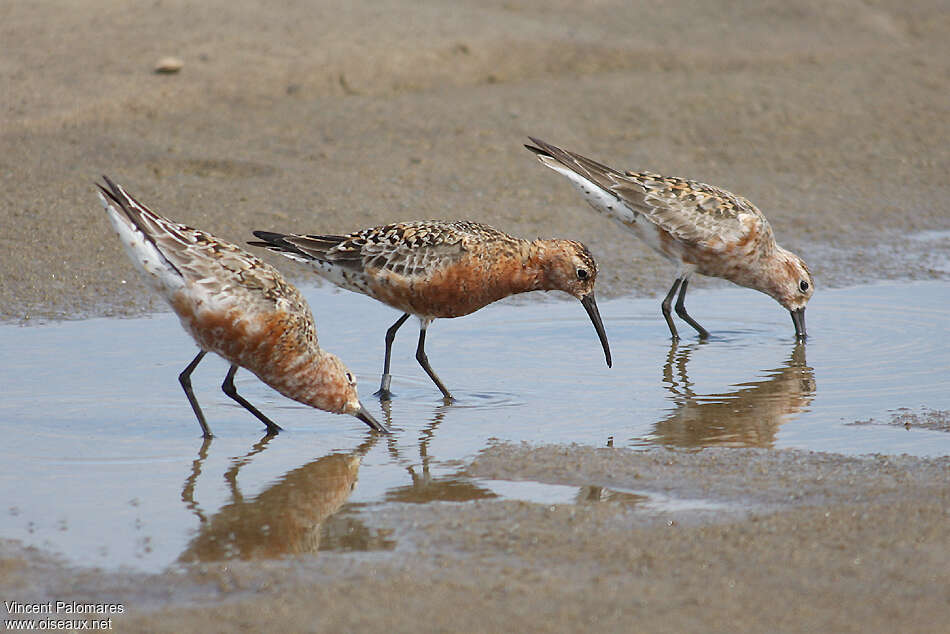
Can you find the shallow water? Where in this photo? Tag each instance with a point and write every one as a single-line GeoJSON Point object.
{"type": "Point", "coordinates": [103, 461]}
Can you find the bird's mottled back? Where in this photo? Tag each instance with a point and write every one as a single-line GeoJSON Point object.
{"type": "Point", "coordinates": [408, 249]}
{"type": "Point", "coordinates": [691, 211]}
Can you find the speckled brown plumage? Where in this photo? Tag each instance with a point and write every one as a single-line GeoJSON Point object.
{"type": "Point", "coordinates": [701, 228]}
{"type": "Point", "coordinates": [235, 305]}
{"type": "Point", "coordinates": [434, 269]}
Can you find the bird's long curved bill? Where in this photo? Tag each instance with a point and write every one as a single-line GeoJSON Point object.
{"type": "Point", "coordinates": [364, 415]}
{"type": "Point", "coordinates": [798, 318]}
{"type": "Point", "coordinates": [591, 307]}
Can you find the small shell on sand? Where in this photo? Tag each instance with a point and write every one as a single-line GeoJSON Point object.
{"type": "Point", "coordinates": [168, 65]}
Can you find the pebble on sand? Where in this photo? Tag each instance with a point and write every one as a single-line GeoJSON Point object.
{"type": "Point", "coordinates": [168, 65]}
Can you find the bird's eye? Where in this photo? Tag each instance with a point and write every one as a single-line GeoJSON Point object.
{"type": "Point", "coordinates": [803, 285]}
{"type": "Point", "coordinates": [582, 274]}
{"type": "Point", "coordinates": [350, 378]}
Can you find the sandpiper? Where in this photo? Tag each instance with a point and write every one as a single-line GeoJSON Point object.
{"type": "Point", "coordinates": [433, 269]}
{"type": "Point", "coordinates": [701, 228]}
{"type": "Point", "coordinates": [234, 304]}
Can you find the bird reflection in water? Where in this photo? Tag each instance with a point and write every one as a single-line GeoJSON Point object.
{"type": "Point", "coordinates": [424, 487]}
{"type": "Point", "coordinates": [747, 417]}
{"type": "Point", "coordinates": [597, 495]}
{"type": "Point", "coordinates": [297, 514]}
{"type": "Point", "coordinates": [458, 487]}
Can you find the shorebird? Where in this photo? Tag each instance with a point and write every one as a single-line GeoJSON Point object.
{"type": "Point", "coordinates": [434, 269]}
{"type": "Point", "coordinates": [237, 306]}
{"type": "Point", "coordinates": [701, 228]}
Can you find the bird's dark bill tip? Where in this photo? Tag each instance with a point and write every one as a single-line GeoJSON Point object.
{"type": "Point", "coordinates": [590, 305]}
{"type": "Point", "coordinates": [798, 318]}
{"type": "Point", "coordinates": [364, 415]}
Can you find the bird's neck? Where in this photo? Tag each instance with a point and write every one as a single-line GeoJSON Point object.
{"type": "Point", "coordinates": [544, 260]}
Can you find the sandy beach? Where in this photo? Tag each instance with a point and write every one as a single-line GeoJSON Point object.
{"type": "Point", "coordinates": [309, 117]}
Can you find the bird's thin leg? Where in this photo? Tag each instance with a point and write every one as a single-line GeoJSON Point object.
{"type": "Point", "coordinates": [665, 306]}
{"type": "Point", "coordinates": [185, 379]}
{"type": "Point", "coordinates": [230, 390]}
{"type": "Point", "coordinates": [424, 361]}
{"type": "Point", "coordinates": [384, 392]}
{"type": "Point", "coordinates": [681, 311]}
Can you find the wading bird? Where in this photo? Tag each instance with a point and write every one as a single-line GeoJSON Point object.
{"type": "Point", "coordinates": [234, 304]}
{"type": "Point", "coordinates": [434, 269]}
{"type": "Point", "coordinates": [700, 228]}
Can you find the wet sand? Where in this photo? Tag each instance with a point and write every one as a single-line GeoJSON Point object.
{"type": "Point", "coordinates": [832, 119]}
{"type": "Point", "coordinates": [801, 542]}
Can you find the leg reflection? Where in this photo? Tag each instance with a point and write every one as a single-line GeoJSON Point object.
{"type": "Point", "coordinates": [748, 416]}
{"type": "Point", "coordinates": [289, 516]}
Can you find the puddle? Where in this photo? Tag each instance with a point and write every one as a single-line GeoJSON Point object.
{"type": "Point", "coordinates": [102, 459]}
{"type": "Point", "coordinates": [554, 494]}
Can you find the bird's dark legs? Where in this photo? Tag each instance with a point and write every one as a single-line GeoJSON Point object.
{"type": "Point", "coordinates": [681, 311]}
{"type": "Point", "coordinates": [384, 392]}
{"type": "Point", "coordinates": [185, 379]}
{"type": "Point", "coordinates": [424, 361]}
{"type": "Point", "coordinates": [230, 390]}
{"type": "Point", "coordinates": [665, 306]}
